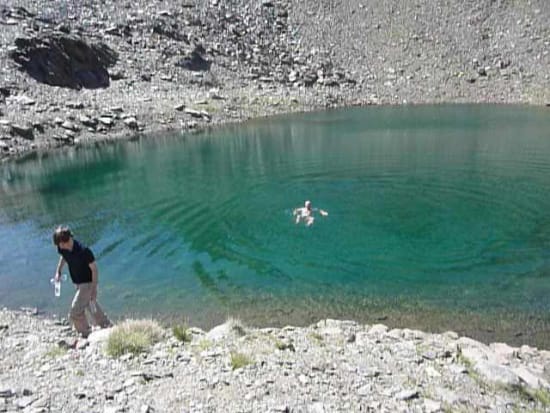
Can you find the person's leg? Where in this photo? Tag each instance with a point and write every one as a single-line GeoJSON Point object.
{"type": "Point", "coordinates": [99, 316]}
{"type": "Point", "coordinates": [77, 314]}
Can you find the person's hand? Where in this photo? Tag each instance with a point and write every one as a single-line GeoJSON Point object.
{"type": "Point", "coordinates": [93, 296]}
{"type": "Point", "coordinates": [323, 213]}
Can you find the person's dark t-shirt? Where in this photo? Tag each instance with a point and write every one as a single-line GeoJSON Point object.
{"type": "Point", "coordinates": [79, 260]}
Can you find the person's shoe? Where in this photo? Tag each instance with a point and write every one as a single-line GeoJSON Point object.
{"type": "Point", "coordinates": [66, 344]}
{"type": "Point", "coordinates": [81, 344]}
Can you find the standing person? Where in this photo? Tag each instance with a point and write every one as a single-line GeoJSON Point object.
{"type": "Point", "coordinates": [306, 213]}
{"type": "Point", "coordinates": [84, 275]}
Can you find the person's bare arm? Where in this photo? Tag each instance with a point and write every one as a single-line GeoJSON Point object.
{"type": "Point", "coordinates": [60, 264]}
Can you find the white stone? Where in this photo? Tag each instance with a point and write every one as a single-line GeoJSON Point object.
{"type": "Point", "coordinates": [529, 378]}
{"type": "Point", "coordinates": [378, 329]}
{"type": "Point", "coordinates": [431, 372]}
{"type": "Point", "coordinates": [432, 406]}
{"type": "Point", "coordinates": [504, 350]}
{"type": "Point", "coordinates": [497, 373]}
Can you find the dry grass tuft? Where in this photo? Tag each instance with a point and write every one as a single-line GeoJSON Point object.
{"type": "Point", "coordinates": [133, 336]}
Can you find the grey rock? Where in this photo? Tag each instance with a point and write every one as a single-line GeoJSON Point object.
{"type": "Point", "coordinates": [447, 396]}
{"type": "Point", "coordinates": [458, 369]}
{"type": "Point", "coordinates": [6, 392]}
{"type": "Point", "coordinates": [26, 132]}
{"type": "Point", "coordinates": [432, 406]}
{"type": "Point", "coordinates": [496, 373]}
{"type": "Point", "coordinates": [378, 329]}
{"type": "Point", "coordinates": [407, 395]}
{"type": "Point", "coordinates": [131, 122]}
{"type": "Point", "coordinates": [23, 100]}
{"type": "Point", "coordinates": [69, 126]}
{"type": "Point", "coordinates": [64, 60]}
{"type": "Point", "coordinates": [87, 121]}
{"type": "Point", "coordinates": [195, 61]}
{"type": "Point", "coordinates": [24, 402]}
{"type": "Point", "coordinates": [114, 409]}
{"type": "Point", "coordinates": [317, 407]}
{"type": "Point", "coordinates": [364, 390]}
{"type": "Point", "coordinates": [474, 350]}
{"type": "Point", "coordinates": [531, 379]}
{"type": "Point", "coordinates": [197, 113]}
{"type": "Point", "coordinates": [106, 121]}
{"type": "Point", "coordinates": [74, 105]}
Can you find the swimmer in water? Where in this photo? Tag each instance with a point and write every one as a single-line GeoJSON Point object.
{"type": "Point", "coordinates": [306, 213]}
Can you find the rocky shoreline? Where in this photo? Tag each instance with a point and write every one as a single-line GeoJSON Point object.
{"type": "Point", "coordinates": [330, 366]}
{"type": "Point", "coordinates": [82, 72]}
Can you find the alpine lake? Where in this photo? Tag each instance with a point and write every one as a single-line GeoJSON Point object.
{"type": "Point", "coordinates": [438, 219]}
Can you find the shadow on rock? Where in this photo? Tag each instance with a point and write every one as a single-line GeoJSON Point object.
{"type": "Point", "coordinates": [65, 60]}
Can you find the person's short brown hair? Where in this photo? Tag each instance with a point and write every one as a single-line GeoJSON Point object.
{"type": "Point", "coordinates": [61, 234]}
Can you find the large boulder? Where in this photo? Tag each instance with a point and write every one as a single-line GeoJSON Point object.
{"type": "Point", "coordinates": [195, 61]}
{"type": "Point", "coordinates": [65, 60]}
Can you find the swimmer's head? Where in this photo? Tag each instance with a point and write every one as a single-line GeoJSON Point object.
{"type": "Point", "coordinates": [308, 204]}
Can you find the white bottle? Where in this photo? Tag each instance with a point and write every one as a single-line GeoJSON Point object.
{"type": "Point", "coordinates": [57, 284]}
{"type": "Point", "coordinates": [57, 288]}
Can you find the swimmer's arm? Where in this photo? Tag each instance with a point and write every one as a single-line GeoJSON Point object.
{"type": "Point", "coordinates": [321, 211]}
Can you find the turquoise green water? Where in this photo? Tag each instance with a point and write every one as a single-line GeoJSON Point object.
{"type": "Point", "coordinates": [438, 218]}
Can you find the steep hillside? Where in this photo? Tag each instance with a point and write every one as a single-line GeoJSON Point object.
{"type": "Point", "coordinates": [87, 71]}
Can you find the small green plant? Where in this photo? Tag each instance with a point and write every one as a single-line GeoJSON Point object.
{"type": "Point", "coordinates": [316, 336]}
{"type": "Point", "coordinates": [470, 370]}
{"type": "Point", "coordinates": [133, 336]}
{"type": "Point", "coordinates": [204, 344]}
{"type": "Point", "coordinates": [55, 351]}
{"type": "Point", "coordinates": [538, 395]}
{"type": "Point", "coordinates": [239, 360]}
{"type": "Point", "coordinates": [543, 396]}
{"type": "Point", "coordinates": [182, 333]}
{"type": "Point", "coordinates": [281, 345]}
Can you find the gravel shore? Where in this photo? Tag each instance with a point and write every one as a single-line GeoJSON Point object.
{"type": "Point", "coordinates": [141, 67]}
{"type": "Point", "coordinates": [331, 366]}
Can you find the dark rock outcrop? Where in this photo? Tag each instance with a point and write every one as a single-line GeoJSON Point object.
{"type": "Point", "coordinates": [65, 60]}
{"type": "Point", "coordinates": [26, 132]}
{"type": "Point", "coordinates": [171, 31]}
{"type": "Point", "coordinates": [4, 93]}
{"type": "Point", "coordinates": [194, 61]}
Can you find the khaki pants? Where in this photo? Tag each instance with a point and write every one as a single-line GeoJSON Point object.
{"type": "Point", "coordinates": [81, 303]}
